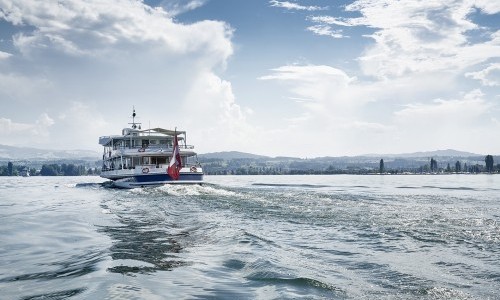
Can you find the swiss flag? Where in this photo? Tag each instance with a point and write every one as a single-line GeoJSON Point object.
{"type": "Point", "coordinates": [175, 164]}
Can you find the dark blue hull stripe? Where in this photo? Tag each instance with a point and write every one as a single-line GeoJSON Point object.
{"type": "Point", "coordinates": [166, 178]}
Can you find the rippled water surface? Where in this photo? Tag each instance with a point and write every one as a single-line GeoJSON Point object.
{"type": "Point", "coordinates": [250, 237]}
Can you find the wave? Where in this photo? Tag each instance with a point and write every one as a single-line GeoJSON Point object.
{"type": "Point", "coordinates": [193, 190]}
{"type": "Point", "coordinates": [106, 184]}
{"type": "Point", "coordinates": [56, 295]}
{"type": "Point", "coordinates": [268, 273]}
{"type": "Point", "coordinates": [445, 293]}
{"type": "Point", "coordinates": [459, 188]}
{"type": "Point", "coordinates": [93, 184]}
{"type": "Point", "coordinates": [291, 185]}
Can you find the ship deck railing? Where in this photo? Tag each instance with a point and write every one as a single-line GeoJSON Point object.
{"type": "Point", "coordinates": [151, 167]}
{"type": "Point", "coordinates": [154, 147]}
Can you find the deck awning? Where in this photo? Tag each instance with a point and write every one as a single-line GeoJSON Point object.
{"type": "Point", "coordinates": [163, 131]}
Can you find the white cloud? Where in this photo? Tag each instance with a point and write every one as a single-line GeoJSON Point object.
{"type": "Point", "coordinates": [333, 110]}
{"type": "Point", "coordinates": [15, 88]}
{"type": "Point", "coordinates": [7, 126]}
{"type": "Point", "coordinates": [309, 73]}
{"type": "Point", "coordinates": [326, 30]}
{"type": "Point", "coordinates": [487, 6]}
{"type": "Point", "coordinates": [352, 116]}
{"type": "Point", "coordinates": [4, 55]}
{"type": "Point", "coordinates": [294, 6]}
{"type": "Point", "coordinates": [86, 122]}
{"type": "Point", "coordinates": [333, 21]}
{"type": "Point", "coordinates": [26, 133]}
{"type": "Point", "coordinates": [177, 7]}
{"type": "Point", "coordinates": [89, 62]}
{"type": "Point", "coordinates": [213, 116]}
{"type": "Point", "coordinates": [418, 36]}
{"type": "Point", "coordinates": [463, 122]}
{"type": "Point", "coordinates": [489, 76]}
{"type": "Point", "coordinates": [324, 85]}
{"type": "Point", "coordinates": [443, 112]}
{"type": "Point", "coordinates": [93, 28]}
{"type": "Point", "coordinates": [416, 58]}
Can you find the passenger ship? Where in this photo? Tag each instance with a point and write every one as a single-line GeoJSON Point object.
{"type": "Point", "coordinates": [151, 157]}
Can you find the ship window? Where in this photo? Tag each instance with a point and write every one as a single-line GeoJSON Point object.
{"type": "Point", "coordinates": [161, 160]}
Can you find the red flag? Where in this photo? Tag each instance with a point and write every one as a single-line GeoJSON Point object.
{"type": "Point", "coordinates": [175, 164]}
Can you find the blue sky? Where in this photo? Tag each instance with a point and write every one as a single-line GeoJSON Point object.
{"type": "Point", "coordinates": [293, 78]}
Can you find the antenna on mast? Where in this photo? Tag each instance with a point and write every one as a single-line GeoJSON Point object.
{"type": "Point", "coordinates": [134, 124]}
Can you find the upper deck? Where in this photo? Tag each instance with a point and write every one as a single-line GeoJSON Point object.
{"type": "Point", "coordinates": [136, 138]}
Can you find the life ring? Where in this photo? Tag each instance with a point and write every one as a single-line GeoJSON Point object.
{"type": "Point", "coordinates": [193, 169]}
{"type": "Point", "coordinates": [145, 170]}
{"type": "Point", "coordinates": [141, 150]}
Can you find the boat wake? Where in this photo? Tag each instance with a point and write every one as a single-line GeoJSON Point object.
{"type": "Point", "coordinates": [187, 190]}
{"type": "Point", "coordinates": [94, 184]}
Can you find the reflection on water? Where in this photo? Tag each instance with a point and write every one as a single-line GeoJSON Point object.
{"type": "Point", "coordinates": [139, 246]}
{"type": "Point", "coordinates": [75, 266]}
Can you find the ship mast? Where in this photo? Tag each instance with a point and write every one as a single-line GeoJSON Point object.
{"type": "Point", "coordinates": [134, 124]}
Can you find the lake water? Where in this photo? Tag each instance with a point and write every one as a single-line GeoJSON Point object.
{"type": "Point", "coordinates": [252, 237]}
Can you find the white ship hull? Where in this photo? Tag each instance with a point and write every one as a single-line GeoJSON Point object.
{"type": "Point", "coordinates": [150, 176]}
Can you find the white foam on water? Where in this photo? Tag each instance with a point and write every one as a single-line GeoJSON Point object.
{"type": "Point", "coordinates": [194, 190]}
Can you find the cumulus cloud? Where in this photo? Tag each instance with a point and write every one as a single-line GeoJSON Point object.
{"type": "Point", "coordinates": [94, 28]}
{"type": "Point", "coordinates": [211, 100]}
{"type": "Point", "coordinates": [89, 62]}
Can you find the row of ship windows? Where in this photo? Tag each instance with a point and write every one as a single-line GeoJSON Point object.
{"type": "Point", "coordinates": [131, 162]}
{"type": "Point", "coordinates": [142, 143]}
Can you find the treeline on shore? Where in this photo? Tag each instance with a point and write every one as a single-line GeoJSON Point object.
{"type": "Point", "coordinates": [259, 167]}
{"type": "Point", "coordinates": [475, 169]}
{"type": "Point", "coordinates": [48, 170]}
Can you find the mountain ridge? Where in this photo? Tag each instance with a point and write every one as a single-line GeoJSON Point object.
{"type": "Point", "coordinates": [29, 153]}
{"type": "Point", "coordinates": [420, 154]}
{"type": "Point", "coordinates": [437, 153]}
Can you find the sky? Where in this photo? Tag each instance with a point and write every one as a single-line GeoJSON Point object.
{"type": "Point", "coordinates": [303, 78]}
